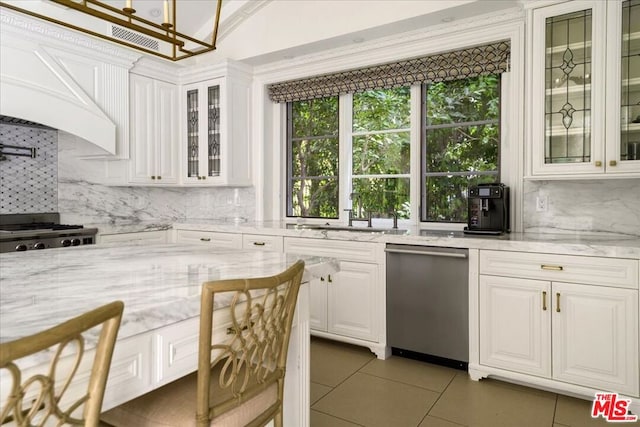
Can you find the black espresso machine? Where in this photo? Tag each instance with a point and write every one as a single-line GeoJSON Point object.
{"type": "Point", "coordinates": [488, 209]}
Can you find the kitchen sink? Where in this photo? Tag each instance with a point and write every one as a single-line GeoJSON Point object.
{"type": "Point", "coordinates": [347, 228]}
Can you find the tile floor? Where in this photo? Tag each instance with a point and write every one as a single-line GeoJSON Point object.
{"type": "Point", "coordinates": [350, 387]}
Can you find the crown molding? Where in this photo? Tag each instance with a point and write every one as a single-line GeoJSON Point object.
{"type": "Point", "coordinates": [160, 70]}
{"type": "Point", "coordinates": [226, 68]}
{"type": "Point", "coordinates": [44, 33]}
{"type": "Point", "coordinates": [410, 44]}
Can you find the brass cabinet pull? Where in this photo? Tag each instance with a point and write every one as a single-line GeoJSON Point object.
{"type": "Point", "coordinates": [204, 177]}
{"type": "Point", "coordinates": [552, 267]}
{"type": "Point", "coordinates": [558, 302]}
{"type": "Point", "coordinates": [199, 177]}
{"type": "Point", "coordinates": [598, 164]}
{"type": "Point", "coordinates": [612, 163]}
{"type": "Point", "coordinates": [205, 239]}
{"type": "Point", "coordinates": [153, 177]}
{"type": "Point", "coordinates": [322, 278]}
{"type": "Point", "coordinates": [159, 177]}
{"type": "Point", "coordinates": [544, 300]}
{"type": "Point", "coordinates": [330, 280]}
{"type": "Point", "coordinates": [259, 243]}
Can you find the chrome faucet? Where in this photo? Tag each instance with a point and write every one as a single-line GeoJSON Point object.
{"type": "Point", "coordinates": [357, 201]}
{"type": "Point", "coordinates": [353, 218]}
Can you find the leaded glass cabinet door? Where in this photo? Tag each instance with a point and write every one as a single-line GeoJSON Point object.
{"type": "Point", "coordinates": [568, 77]}
{"type": "Point", "coordinates": [203, 132]}
{"type": "Point", "coordinates": [623, 87]}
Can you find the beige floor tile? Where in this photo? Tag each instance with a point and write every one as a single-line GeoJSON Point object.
{"type": "Point", "coordinates": [494, 403]}
{"type": "Point", "coordinates": [577, 413]}
{"type": "Point", "coordinates": [318, 419]}
{"type": "Point", "coordinates": [430, 421]}
{"type": "Point", "coordinates": [317, 391]}
{"type": "Point", "coordinates": [333, 362]}
{"type": "Point", "coordinates": [425, 375]}
{"type": "Point", "coordinates": [373, 401]}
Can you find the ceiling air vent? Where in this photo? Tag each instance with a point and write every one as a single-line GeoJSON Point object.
{"type": "Point", "coordinates": [134, 38]}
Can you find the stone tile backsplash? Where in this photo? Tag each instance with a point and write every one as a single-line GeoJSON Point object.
{"type": "Point", "coordinates": [29, 185]}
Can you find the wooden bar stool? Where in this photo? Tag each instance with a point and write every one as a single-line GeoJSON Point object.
{"type": "Point", "coordinates": [57, 397]}
{"type": "Point", "coordinates": [239, 382]}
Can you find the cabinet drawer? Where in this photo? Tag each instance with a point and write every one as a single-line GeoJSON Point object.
{"type": "Point", "coordinates": [211, 238]}
{"type": "Point", "coordinates": [158, 236]}
{"type": "Point", "coordinates": [348, 251]}
{"type": "Point", "coordinates": [561, 268]}
{"type": "Point", "coordinates": [262, 242]}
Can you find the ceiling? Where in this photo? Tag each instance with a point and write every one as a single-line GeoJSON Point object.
{"type": "Point", "coordinates": [262, 31]}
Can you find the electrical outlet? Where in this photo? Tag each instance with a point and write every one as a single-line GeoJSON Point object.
{"type": "Point", "coordinates": [541, 203]}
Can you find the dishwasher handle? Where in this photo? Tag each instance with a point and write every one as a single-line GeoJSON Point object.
{"type": "Point", "coordinates": [430, 253]}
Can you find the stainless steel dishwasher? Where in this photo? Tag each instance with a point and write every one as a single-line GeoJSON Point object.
{"type": "Point", "coordinates": [428, 303]}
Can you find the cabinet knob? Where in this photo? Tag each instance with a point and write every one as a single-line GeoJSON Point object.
{"type": "Point", "coordinates": [153, 177]}
{"type": "Point", "coordinates": [199, 177]}
{"type": "Point", "coordinates": [159, 177]}
{"type": "Point", "coordinates": [612, 163]}
{"type": "Point", "coordinates": [321, 278]}
{"type": "Point", "coordinates": [204, 177]}
{"type": "Point", "coordinates": [598, 164]}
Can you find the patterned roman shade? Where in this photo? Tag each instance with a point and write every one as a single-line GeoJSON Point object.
{"type": "Point", "coordinates": [470, 62]}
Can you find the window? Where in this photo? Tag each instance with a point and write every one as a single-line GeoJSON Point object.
{"type": "Point", "coordinates": [380, 167]}
{"type": "Point", "coordinates": [460, 144]}
{"type": "Point", "coordinates": [312, 150]}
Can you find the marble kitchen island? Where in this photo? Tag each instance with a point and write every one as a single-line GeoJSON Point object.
{"type": "Point", "coordinates": [160, 287]}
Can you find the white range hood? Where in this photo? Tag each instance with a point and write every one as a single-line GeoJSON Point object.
{"type": "Point", "coordinates": [65, 80]}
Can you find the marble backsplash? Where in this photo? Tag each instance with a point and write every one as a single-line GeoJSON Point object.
{"type": "Point", "coordinates": [581, 206]}
{"type": "Point", "coordinates": [586, 206]}
{"type": "Point", "coordinates": [82, 199]}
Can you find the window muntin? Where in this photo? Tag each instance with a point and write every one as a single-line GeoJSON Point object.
{"type": "Point", "coordinates": [460, 144]}
{"type": "Point", "coordinates": [380, 150]}
{"type": "Point", "coordinates": [313, 152]}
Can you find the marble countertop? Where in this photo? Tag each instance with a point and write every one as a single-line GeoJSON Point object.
{"type": "Point", "coordinates": [622, 246]}
{"type": "Point", "coordinates": [607, 245]}
{"type": "Point", "coordinates": [159, 284]}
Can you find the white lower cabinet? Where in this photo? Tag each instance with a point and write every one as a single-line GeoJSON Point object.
{"type": "Point", "coordinates": [137, 238]}
{"type": "Point", "coordinates": [209, 238]}
{"type": "Point", "coordinates": [346, 306]}
{"type": "Point", "coordinates": [515, 328]}
{"type": "Point", "coordinates": [573, 333]}
{"type": "Point", "coordinates": [343, 304]}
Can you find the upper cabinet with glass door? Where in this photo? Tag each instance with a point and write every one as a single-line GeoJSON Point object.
{"type": "Point", "coordinates": [216, 147]}
{"type": "Point", "coordinates": [574, 80]}
{"type": "Point", "coordinates": [623, 93]}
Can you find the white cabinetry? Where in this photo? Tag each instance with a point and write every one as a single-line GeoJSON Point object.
{"type": "Point", "coordinates": [209, 238]}
{"type": "Point", "coordinates": [262, 242]}
{"type": "Point", "coordinates": [216, 133]}
{"type": "Point", "coordinates": [154, 131]}
{"type": "Point", "coordinates": [533, 321]}
{"type": "Point", "coordinates": [141, 237]}
{"type": "Point", "coordinates": [578, 72]}
{"type": "Point", "coordinates": [347, 306]}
